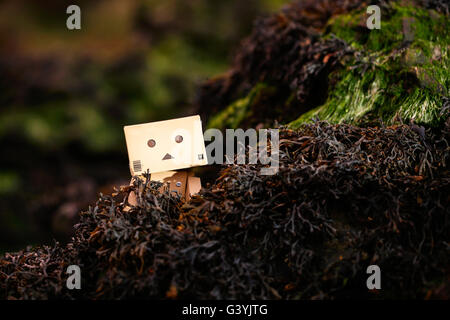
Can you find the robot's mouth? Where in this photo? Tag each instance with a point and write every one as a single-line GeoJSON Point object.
{"type": "Point", "coordinates": [167, 157]}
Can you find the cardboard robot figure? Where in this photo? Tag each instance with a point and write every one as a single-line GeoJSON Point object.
{"type": "Point", "coordinates": [163, 148]}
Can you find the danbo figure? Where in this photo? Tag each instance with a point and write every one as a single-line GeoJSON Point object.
{"type": "Point", "coordinates": [165, 146]}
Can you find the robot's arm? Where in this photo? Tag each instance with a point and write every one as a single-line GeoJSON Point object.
{"type": "Point", "coordinates": [181, 182]}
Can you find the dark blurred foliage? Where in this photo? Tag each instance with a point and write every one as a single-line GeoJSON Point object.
{"type": "Point", "coordinates": [65, 95]}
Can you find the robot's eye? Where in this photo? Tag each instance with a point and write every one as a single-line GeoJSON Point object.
{"type": "Point", "coordinates": [178, 139]}
{"type": "Point", "coordinates": [151, 143]}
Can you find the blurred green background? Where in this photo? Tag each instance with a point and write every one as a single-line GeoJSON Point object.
{"type": "Point", "coordinates": [65, 95]}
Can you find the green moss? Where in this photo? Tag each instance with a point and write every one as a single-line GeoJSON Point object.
{"type": "Point", "coordinates": [390, 77]}
{"type": "Point", "coordinates": [398, 24]}
{"type": "Point", "coordinates": [9, 182]}
{"type": "Point", "coordinates": [96, 132]}
{"type": "Point", "coordinates": [233, 115]}
{"type": "Point", "coordinates": [42, 125]}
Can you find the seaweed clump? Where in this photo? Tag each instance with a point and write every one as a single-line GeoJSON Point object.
{"type": "Point", "coordinates": [344, 198]}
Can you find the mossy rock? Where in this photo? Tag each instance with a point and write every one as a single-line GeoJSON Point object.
{"type": "Point", "coordinates": [343, 72]}
{"type": "Point", "coordinates": [400, 71]}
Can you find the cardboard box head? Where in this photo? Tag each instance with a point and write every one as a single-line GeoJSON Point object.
{"type": "Point", "coordinates": [165, 145]}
